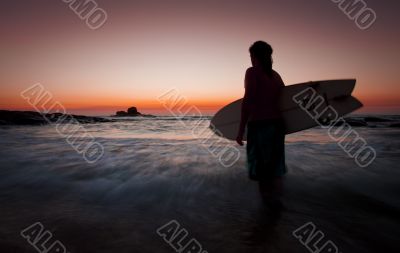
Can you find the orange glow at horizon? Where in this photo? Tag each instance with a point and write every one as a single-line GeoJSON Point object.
{"type": "Point", "coordinates": [206, 106]}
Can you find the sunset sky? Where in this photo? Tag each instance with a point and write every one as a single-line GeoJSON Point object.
{"type": "Point", "coordinates": [147, 47]}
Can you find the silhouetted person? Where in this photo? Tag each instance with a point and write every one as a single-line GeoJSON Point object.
{"type": "Point", "coordinates": [265, 129]}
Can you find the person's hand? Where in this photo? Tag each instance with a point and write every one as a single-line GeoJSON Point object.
{"type": "Point", "coordinates": [239, 140]}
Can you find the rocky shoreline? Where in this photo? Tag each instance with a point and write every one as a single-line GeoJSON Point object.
{"type": "Point", "coordinates": [36, 118]}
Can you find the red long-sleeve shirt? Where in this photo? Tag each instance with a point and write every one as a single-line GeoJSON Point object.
{"type": "Point", "coordinates": [261, 98]}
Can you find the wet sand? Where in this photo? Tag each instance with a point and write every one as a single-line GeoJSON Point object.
{"type": "Point", "coordinates": [118, 204]}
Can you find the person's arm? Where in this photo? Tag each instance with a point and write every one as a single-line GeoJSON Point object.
{"type": "Point", "coordinates": [248, 97]}
{"type": "Point", "coordinates": [280, 79]}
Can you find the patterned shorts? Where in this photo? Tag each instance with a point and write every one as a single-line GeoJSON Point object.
{"type": "Point", "coordinates": [265, 149]}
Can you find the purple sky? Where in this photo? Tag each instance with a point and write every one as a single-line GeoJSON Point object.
{"type": "Point", "coordinates": [199, 47]}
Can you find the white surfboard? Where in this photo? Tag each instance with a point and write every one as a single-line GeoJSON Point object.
{"type": "Point", "coordinates": [335, 94]}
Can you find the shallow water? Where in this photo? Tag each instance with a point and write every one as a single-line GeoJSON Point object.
{"type": "Point", "coordinates": [155, 170]}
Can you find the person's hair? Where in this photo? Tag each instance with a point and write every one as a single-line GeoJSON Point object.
{"type": "Point", "coordinates": [262, 51]}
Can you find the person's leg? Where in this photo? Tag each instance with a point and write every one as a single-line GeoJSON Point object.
{"type": "Point", "coordinates": [270, 144]}
{"type": "Point", "coordinates": [269, 189]}
{"type": "Point", "coordinates": [271, 192]}
{"type": "Point", "coordinates": [265, 169]}
{"type": "Point", "coordinates": [278, 186]}
{"type": "Point", "coordinates": [279, 167]}
{"type": "Point", "coordinates": [251, 150]}
{"type": "Point", "coordinates": [265, 187]}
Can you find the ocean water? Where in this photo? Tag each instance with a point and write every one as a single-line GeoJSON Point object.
{"type": "Point", "coordinates": [155, 170]}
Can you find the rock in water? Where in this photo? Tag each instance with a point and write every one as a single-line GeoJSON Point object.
{"type": "Point", "coordinates": [121, 113]}
{"type": "Point", "coordinates": [132, 112]}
